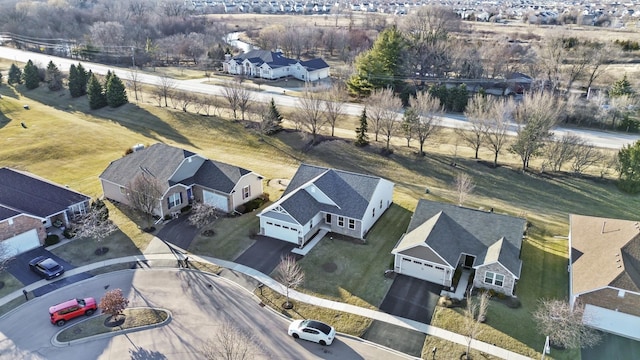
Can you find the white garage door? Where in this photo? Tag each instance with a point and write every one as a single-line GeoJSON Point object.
{"type": "Point", "coordinates": [280, 231]}
{"type": "Point", "coordinates": [422, 270]}
{"type": "Point", "coordinates": [23, 242]}
{"type": "Point", "coordinates": [213, 199]}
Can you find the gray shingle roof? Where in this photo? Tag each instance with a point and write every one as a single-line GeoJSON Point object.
{"type": "Point", "coordinates": [259, 57]}
{"type": "Point", "coordinates": [159, 160]}
{"type": "Point", "coordinates": [350, 192]}
{"type": "Point", "coordinates": [451, 230]}
{"type": "Point", "coordinates": [314, 64]}
{"type": "Point", "coordinates": [216, 175]}
{"type": "Point", "coordinates": [24, 193]}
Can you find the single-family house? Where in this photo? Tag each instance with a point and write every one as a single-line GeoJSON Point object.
{"type": "Point", "coordinates": [183, 177]}
{"type": "Point", "coordinates": [318, 198]}
{"type": "Point", "coordinates": [604, 272]}
{"type": "Point", "coordinates": [29, 205]}
{"type": "Point", "coordinates": [444, 237]}
{"type": "Point", "coordinates": [274, 65]}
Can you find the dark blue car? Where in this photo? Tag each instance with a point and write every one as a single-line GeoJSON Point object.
{"type": "Point", "coordinates": [46, 267]}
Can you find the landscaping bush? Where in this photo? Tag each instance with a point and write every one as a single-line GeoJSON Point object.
{"type": "Point", "coordinates": [68, 233]}
{"type": "Point", "coordinates": [185, 209]}
{"type": "Point", "coordinates": [51, 240]}
{"type": "Point", "coordinates": [251, 205]}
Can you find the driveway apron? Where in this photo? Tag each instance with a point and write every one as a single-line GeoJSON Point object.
{"type": "Point", "coordinates": [265, 254]}
{"type": "Point", "coordinates": [411, 298]}
{"type": "Point", "coordinates": [178, 232]}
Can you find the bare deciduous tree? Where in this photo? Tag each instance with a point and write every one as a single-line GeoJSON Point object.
{"type": "Point", "coordinates": [535, 116]}
{"type": "Point", "coordinates": [474, 316]}
{"type": "Point", "coordinates": [464, 186]}
{"type": "Point", "coordinates": [564, 326]}
{"type": "Point", "coordinates": [231, 93]}
{"type": "Point", "coordinates": [497, 126]}
{"type": "Point", "coordinates": [165, 86]}
{"type": "Point", "coordinates": [310, 113]}
{"type": "Point", "coordinates": [290, 274]}
{"type": "Point", "coordinates": [95, 223]}
{"type": "Point", "coordinates": [134, 83]}
{"type": "Point", "coordinates": [231, 343]}
{"type": "Point", "coordinates": [391, 111]}
{"type": "Point", "coordinates": [203, 214]}
{"type": "Point", "coordinates": [586, 155]}
{"type": "Point", "coordinates": [6, 255]}
{"type": "Point", "coordinates": [334, 105]}
{"type": "Point", "coordinates": [562, 150]}
{"type": "Point", "coordinates": [477, 113]}
{"type": "Point", "coordinates": [427, 108]}
{"type": "Point", "coordinates": [143, 194]}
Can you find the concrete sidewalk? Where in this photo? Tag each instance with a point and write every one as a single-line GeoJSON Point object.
{"type": "Point", "coordinates": [179, 254]}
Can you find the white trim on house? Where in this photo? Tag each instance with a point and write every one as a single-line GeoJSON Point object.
{"type": "Point", "coordinates": [501, 265]}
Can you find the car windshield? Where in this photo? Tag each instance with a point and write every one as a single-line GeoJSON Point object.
{"type": "Point", "coordinates": [319, 326]}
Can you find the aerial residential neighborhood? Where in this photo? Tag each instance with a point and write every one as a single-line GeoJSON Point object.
{"type": "Point", "coordinates": [291, 180]}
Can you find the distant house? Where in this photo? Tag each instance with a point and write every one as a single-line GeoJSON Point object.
{"type": "Point", "coordinates": [184, 177]}
{"type": "Point", "coordinates": [274, 65]}
{"type": "Point", "coordinates": [444, 237]}
{"type": "Point", "coordinates": [319, 198]}
{"type": "Point", "coordinates": [604, 272]}
{"type": "Point", "coordinates": [29, 205]}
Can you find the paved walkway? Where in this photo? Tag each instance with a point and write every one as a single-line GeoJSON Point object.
{"type": "Point", "coordinates": [177, 254]}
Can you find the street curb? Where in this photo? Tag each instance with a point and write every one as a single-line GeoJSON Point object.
{"type": "Point", "coordinates": [57, 343]}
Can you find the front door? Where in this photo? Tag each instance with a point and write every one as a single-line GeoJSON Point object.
{"type": "Point", "coordinates": [190, 195]}
{"type": "Point", "coordinates": [468, 261]}
{"type": "Point", "coordinates": [328, 219]}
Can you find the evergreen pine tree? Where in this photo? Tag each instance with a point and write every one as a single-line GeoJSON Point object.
{"type": "Point", "coordinates": [274, 119]}
{"type": "Point", "coordinates": [53, 77]}
{"type": "Point", "coordinates": [31, 76]}
{"type": "Point", "coordinates": [15, 75]}
{"type": "Point", "coordinates": [362, 139]}
{"type": "Point", "coordinates": [107, 78]}
{"type": "Point", "coordinates": [116, 92]}
{"type": "Point", "coordinates": [621, 87]}
{"type": "Point", "coordinates": [83, 79]}
{"type": "Point", "coordinates": [95, 93]}
{"type": "Point", "coordinates": [74, 82]}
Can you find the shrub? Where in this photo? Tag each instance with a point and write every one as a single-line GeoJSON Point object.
{"type": "Point", "coordinates": [167, 217]}
{"type": "Point", "coordinates": [185, 209]}
{"type": "Point", "coordinates": [68, 233]}
{"type": "Point", "coordinates": [51, 240]}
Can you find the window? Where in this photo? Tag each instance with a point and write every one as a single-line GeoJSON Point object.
{"type": "Point", "coordinates": [380, 204]}
{"type": "Point", "coordinates": [352, 224]}
{"type": "Point", "coordinates": [246, 192]}
{"type": "Point", "coordinates": [174, 200]}
{"type": "Point", "coordinates": [373, 212]}
{"type": "Point", "coordinates": [340, 221]}
{"type": "Point", "coordinates": [123, 190]}
{"type": "Point", "coordinates": [493, 278]}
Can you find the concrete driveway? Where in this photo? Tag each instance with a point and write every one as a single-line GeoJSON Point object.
{"type": "Point", "coordinates": [265, 254]}
{"type": "Point", "coordinates": [411, 298]}
{"type": "Point", "coordinates": [612, 347]}
{"type": "Point", "coordinates": [201, 306]}
{"type": "Point", "coordinates": [19, 268]}
{"type": "Point", "coordinates": [178, 232]}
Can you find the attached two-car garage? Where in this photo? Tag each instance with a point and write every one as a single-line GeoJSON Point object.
{"type": "Point", "coordinates": [22, 243]}
{"type": "Point", "coordinates": [421, 269]}
{"type": "Point", "coordinates": [218, 201]}
{"type": "Point", "coordinates": [282, 231]}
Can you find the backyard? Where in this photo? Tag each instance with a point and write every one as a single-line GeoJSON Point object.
{"type": "Point", "coordinates": [86, 141]}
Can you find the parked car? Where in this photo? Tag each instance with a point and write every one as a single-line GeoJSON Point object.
{"type": "Point", "coordinates": [46, 267]}
{"type": "Point", "coordinates": [312, 330]}
{"type": "Point", "coordinates": [71, 309]}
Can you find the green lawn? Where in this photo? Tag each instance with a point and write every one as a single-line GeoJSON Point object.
{"type": "Point", "coordinates": [353, 272]}
{"type": "Point", "coordinates": [67, 143]}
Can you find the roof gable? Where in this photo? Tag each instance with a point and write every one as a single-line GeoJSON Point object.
{"type": "Point", "coordinates": [26, 193]}
{"type": "Point", "coordinates": [217, 176]}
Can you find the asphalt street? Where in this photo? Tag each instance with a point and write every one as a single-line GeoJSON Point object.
{"type": "Point", "coordinates": [600, 139]}
{"type": "Point", "coordinates": [201, 305]}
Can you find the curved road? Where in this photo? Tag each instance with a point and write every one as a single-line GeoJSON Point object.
{"type": "Point", "coordinates": [600, 139]}
{"type": "Point", "coordinates": [200, 304]}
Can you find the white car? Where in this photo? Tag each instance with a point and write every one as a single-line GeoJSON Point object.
{"type": "Point", "coordinates": [312, 330]}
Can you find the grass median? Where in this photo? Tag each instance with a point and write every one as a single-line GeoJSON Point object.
{"type": "Point", "coordinates": [133, 318]}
